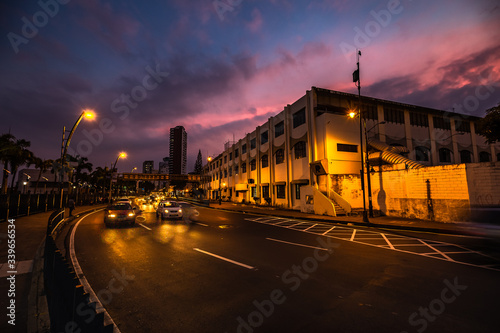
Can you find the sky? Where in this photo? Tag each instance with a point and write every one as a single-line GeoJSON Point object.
{"type": "Point", "coordinates": [221, 68]}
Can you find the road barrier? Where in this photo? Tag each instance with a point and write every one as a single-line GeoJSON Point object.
{"type": "Point", "coordinates": [70, 309]}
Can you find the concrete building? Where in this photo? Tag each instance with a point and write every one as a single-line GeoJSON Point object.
{"type": "Point", "coordinates": [178, 151]}
{"type": "Point", "coordinates": [308, 157]}
{"type": "Point", "coordinates": [147, 166]}
{"type": "Point", "coordinates": [164, 166]}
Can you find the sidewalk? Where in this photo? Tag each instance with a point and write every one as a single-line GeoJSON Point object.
{"type": "Point", "coordinates": [29, 238]}
{"type": "Point", "coordinates": [387, 222]}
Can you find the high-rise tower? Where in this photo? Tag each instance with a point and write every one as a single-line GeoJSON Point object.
{"type": "Point", "coordinates": [178, 150]}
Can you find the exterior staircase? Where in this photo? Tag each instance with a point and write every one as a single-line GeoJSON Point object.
{"type": "Point", "coordinates": [338, 210]}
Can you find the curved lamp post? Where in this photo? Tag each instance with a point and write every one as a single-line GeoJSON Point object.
{"type": "Point", "coordinates": [89, 114]}
{"type": "Point", "coordinates": [121, 155]}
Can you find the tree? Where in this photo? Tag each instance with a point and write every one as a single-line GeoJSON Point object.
{"type": "Point", "coordinates": [19, 155]}
{"type": "Point", "coordinates": [198, 165]}
{"type": "Point", "coordinates": [42, 165]}
{"type": "Point", "coordinates": [489, 126]}
{"type": "Point", "coordinates": [7, 143]}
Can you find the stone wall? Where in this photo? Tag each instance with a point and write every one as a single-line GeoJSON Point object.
{"type": "Point", "coordinates": [442, 193]}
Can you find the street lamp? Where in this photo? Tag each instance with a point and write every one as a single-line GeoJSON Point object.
{"type": "Point", "coordinates": [89, 114]}
{"type": "Point", "coordinates": [368, 175]}
{"type": "Point", "coordinates": [121, 155]}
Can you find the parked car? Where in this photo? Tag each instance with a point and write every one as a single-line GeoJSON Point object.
{"type": "Point", "coordinates": [189, 212]}
{"type": "Point", "coordinates": [169, 209]}
{"type": "Point", "coordinates": [119, 213]}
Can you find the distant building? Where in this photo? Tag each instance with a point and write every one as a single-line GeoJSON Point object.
{"type": "Point", "coordinates": [422, 162]}
{"type": "Point", "coordinates": [147, 167]}
{"type": "Point", "coordinates": [164, 166]}
{"type": "Point", "coordinates": [178, 151]}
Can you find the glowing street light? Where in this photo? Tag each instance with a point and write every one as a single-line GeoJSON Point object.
{"type": "Point", "coordinates": [121, 155]}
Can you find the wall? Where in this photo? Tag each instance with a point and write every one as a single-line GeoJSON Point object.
{"type": "Point", "coordinates": [442, 193]}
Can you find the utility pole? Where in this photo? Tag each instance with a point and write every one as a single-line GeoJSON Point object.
{"type": "Point", "coordinates": [357, 81]}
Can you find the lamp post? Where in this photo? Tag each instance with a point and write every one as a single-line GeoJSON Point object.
{"type": "Point", "coordinates": [89, 114]}
{"type": "Point", "coordinates": [123, 155]}
{"type": "Point", "coordinates": [368, 175]}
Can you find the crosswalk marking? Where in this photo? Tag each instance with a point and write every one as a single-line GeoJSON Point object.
{"type": "Point", "coordinates": [438, 250]}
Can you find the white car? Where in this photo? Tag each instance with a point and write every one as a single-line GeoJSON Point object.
{"type": "Point", "coordinates": [169, 209]}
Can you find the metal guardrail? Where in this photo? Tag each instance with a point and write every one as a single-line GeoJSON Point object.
{"type": "Point", "coordinates": [69, 305]}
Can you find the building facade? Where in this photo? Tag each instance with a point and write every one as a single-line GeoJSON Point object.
{"type": "Point", "coordinates": [147, 166]}
{"type": "Point", "coordinates": [178, 151]}
{"type": "Point", "coordinates": [314, 145]}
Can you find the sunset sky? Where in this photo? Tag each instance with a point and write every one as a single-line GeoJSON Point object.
{"type": "Point", "coordinates": [221, 68]}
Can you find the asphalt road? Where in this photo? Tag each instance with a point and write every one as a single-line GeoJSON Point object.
{"type": "Point", "coordinates": [229, 272]}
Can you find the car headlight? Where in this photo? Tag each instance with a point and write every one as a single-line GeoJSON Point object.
{"type": "Point", "coordinates": [111, 215]}
{"type": "Point", "coordinates": [130, 214]}
{"type": "Point", "coordinates": [180, 210]}
{"type": "Point", "coordinates": [166, 210]}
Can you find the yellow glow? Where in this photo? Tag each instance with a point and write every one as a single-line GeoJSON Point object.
{"type": "Point", "coordinates": [123, 155]}
{"type": "Point", "coordinates": [223, 184]}
{"type": "Point", "coordinates": [209, 158]}
{"type": "Point", "coordinates": [352, 114]}
{"type": "Point", "coordinates": [112, 215]}
{"type": "Point", "coordinates": [89, 114]}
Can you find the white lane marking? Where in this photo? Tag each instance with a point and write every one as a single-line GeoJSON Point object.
{"type": "Point", "coordinates": [202, 224]}
{"type": "Point", "coordinates": [142, 225]}
{"type": "Point", "coordinates": [389, 243]}
{"type": "Point", "coordinates": [353, 234]}
{"type": "Point", "coordinates": [328, 231]}
{"type": "Point", "coordinates": [224, 258]}
{"type": "Point", "coordinates": [437, 251]}
{"type": "Point", "coordinates": [303, 245]}
{"type": "Point", "coordinates": [311, 227]}
{"type": "Point", "coordinates": [83, 280]}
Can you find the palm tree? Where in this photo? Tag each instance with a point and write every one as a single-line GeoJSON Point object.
{"type": "Point", "coordinates": [20, 155]}
{"type": "Point", "coordinates": [7, 142]}
{"type": "Point", "coordinates": [83, 164]}
{"type": "Point", "coordinates": [42, 165]}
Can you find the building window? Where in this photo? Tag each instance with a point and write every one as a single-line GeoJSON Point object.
{"type": "Point", "coordinates": [225, 173]}
{"type": "Point", "coordinates": [230, 171]}
{"type": "Point", "coordinates": [230, 156]}
{"type": "Point", "coordinates": [264, 161]}
{"type": "Point", "coordinates": [299, 118]}
{"type": "Point", "coordinates": [265, 191]}
{"type": "Point", "coordinates": [441, 122]}
{"type": "Point", "coordinates": [422, 154]}
{"type": "Point", "coordinates": [394, 115]}
{"type": "Point", "coordinates": [230, 192]}
{"type": "Point", "coordinates": [484, 157]}
{"type": "Point", "coordinates": [236, 153]}
{"type": "Point", "coordinates": [347, 148]}
{"type": "Point", "coordinates": [280, 156]}
{"type": "Point", "coordinates": [244, 148]}
{"type": "Point", "coordinates": [444, 155]}
{"type": "Point", "coordinates": [300, 149]}
{"type": "Point", "coordinates": [465, 156]}
{"type": "Point", "coordinates": [419, 119]}
{"type": "Point", "coordinates": [253, 165]}
{"type": "Point", "coordinates": [236, 169]}
{"type": "Point", "coordinates": [264, 137]}
{"type": "Point", "coordinates": [297, 191]}
{"type": "Point", "coordinates": [244, 167]}
{"type": "Point", "coordinates": [225, 159]}
{"type": "Point", "coordinates": [253, 191]}
{"type": "Point", "coordinates": [369, 111]}
{"type": "Point", "coordinates": [462, 126]}
{"type": "Point", "coordinates": [253, 144]}
{"type": "Point", "coordinates": [279, 129]}
{"type": "Point", "coordinates": [281, 191]}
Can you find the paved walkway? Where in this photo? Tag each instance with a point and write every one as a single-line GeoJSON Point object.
{"type": "Point", "coordinates": [460, 228]}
